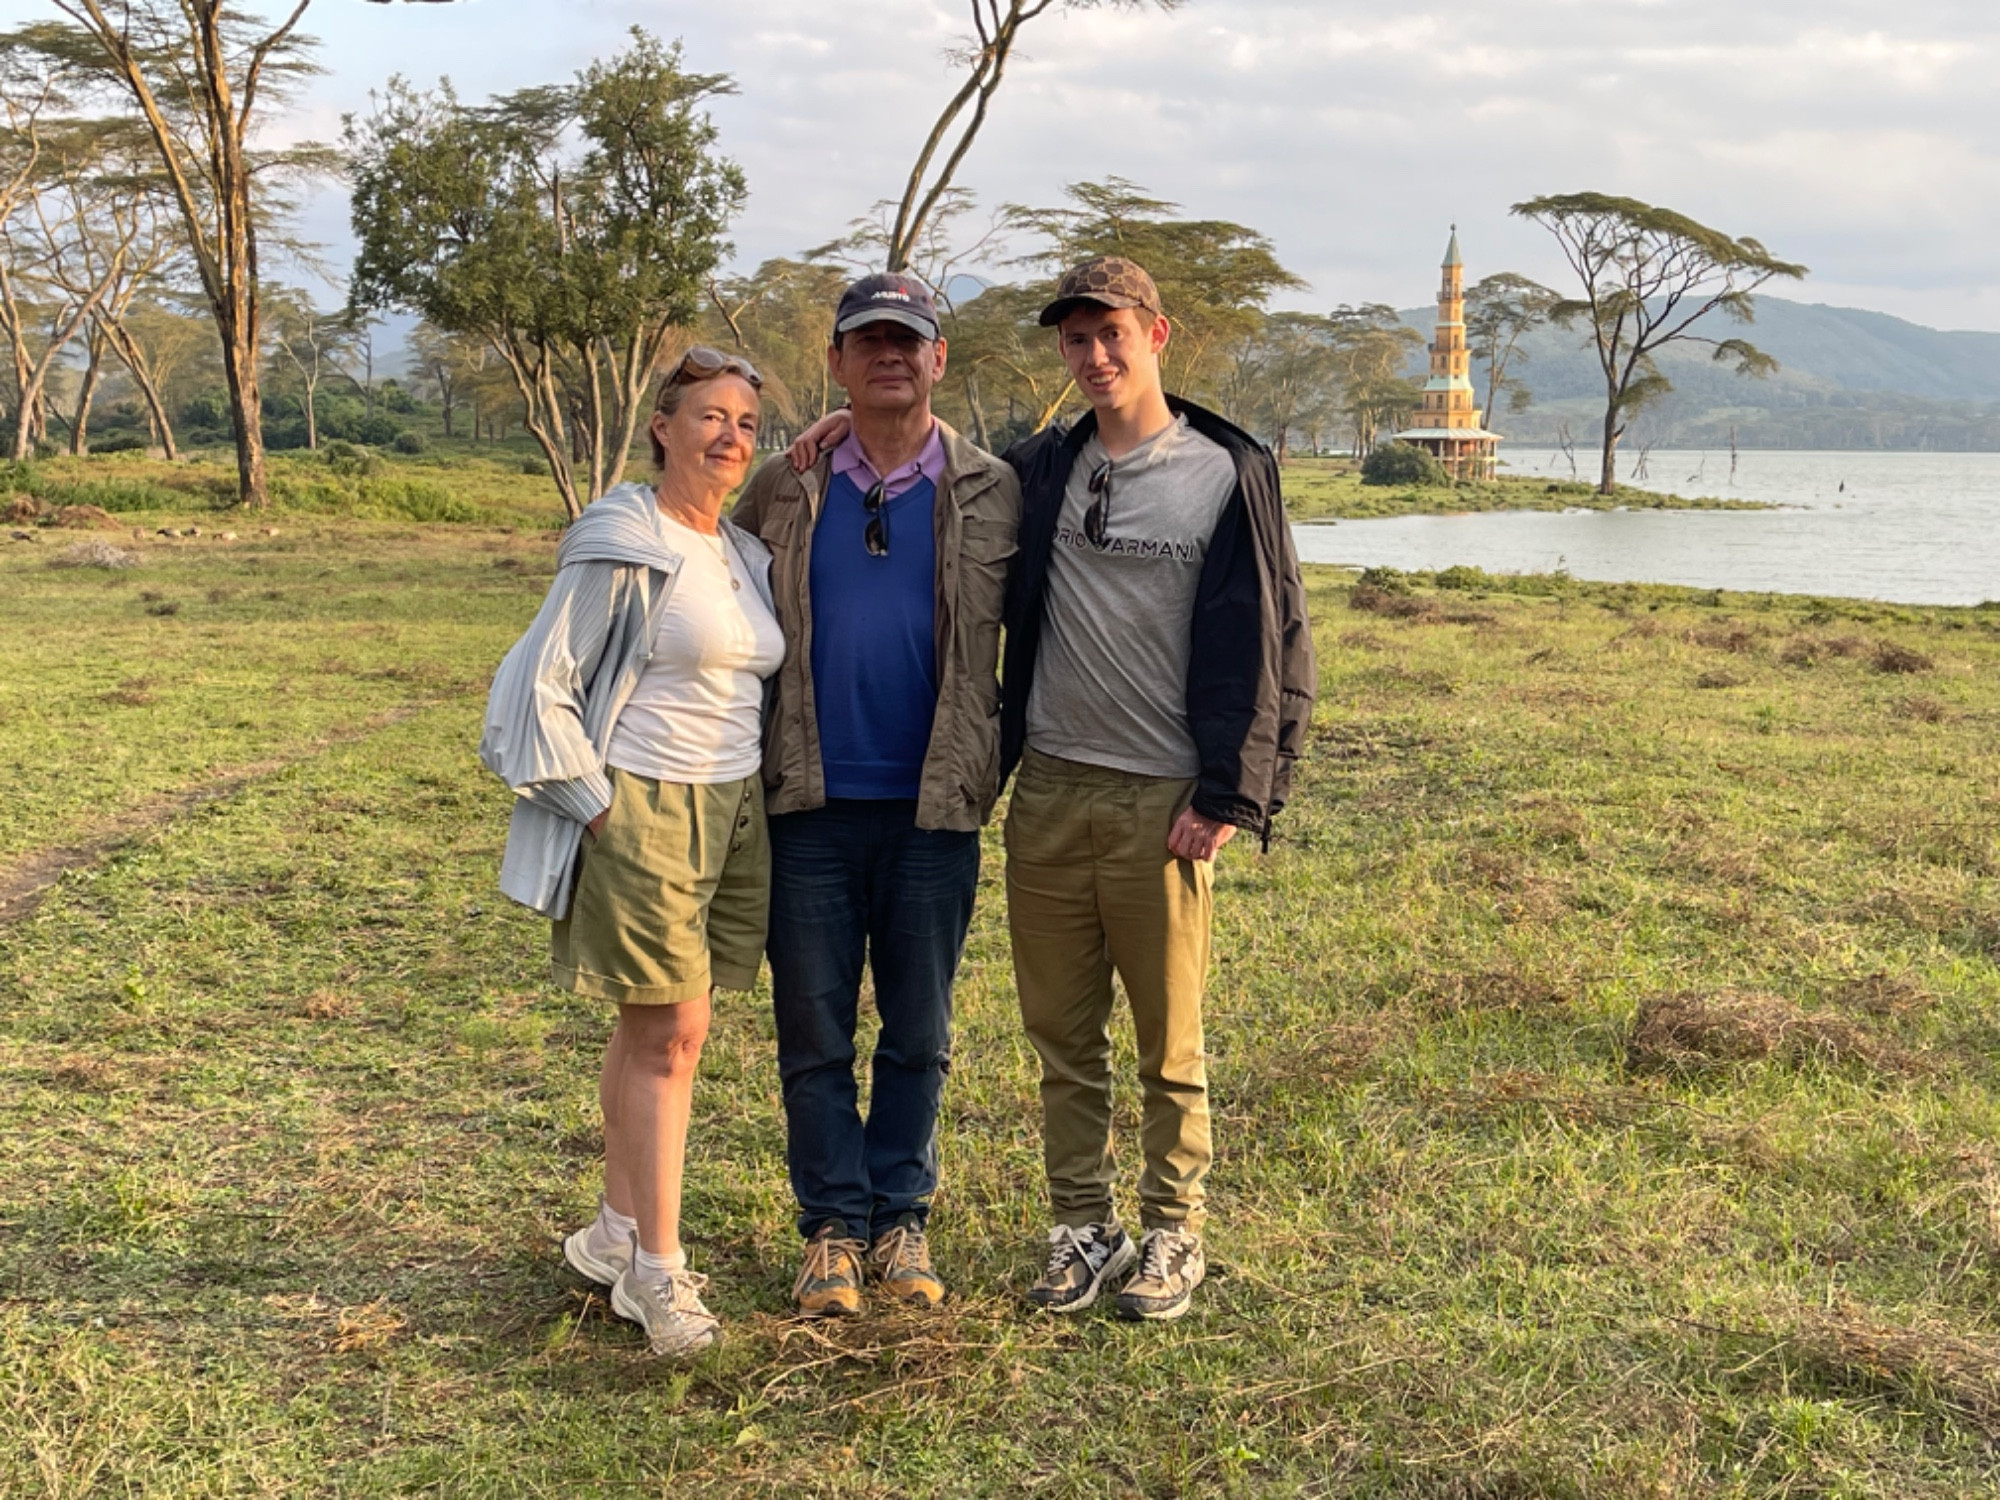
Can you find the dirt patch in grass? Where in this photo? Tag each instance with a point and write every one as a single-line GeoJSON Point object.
{"type": "Point", "coordinates": [1695, 1033]}
{"type": "Point", "coordinates": [1921, 708]}
{"type": "Point", "coordinates": [1506, 988]}
{"type": "Point", "coordinates": [1372, 600]}
{"type": "Point", "coordinates": [25, 881]}
{"type": "Point", "coordinates": [1889, 996]}
{"type": "Point", "coordinates": [1852, 1345]}
{"type": "Point", "coordinates": [1737, 640]}
{"type": "Point", "coordinates": [1717, 680]}
{"type": "Point", "coordinates": [1898, 660]}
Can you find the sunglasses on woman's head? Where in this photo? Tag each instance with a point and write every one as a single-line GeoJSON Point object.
{"type": "Point", "coordinates": [1096, 519]}
{"type": "Point", "coordinates": [703, 363]}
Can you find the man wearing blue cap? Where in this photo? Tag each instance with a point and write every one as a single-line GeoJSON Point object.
{"type": "Point", "coordinates": [881, 762]}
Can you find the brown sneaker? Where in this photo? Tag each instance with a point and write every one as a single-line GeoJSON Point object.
{"type": "Point", "coordinates": [829, 1284]}
{"type": "Point", "coordinates": [901, 1262]}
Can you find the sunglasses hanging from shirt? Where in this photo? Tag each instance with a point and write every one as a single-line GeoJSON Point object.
{"type": "Point", "coordinates": [875, 536]}
{"type": "Point", "coordinates": [1097, 519]}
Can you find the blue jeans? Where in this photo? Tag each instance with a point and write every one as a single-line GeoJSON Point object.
{"type": "Point", "coordinates": [848, 878]}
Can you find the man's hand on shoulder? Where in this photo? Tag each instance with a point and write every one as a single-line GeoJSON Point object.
{"type": "Point", "coordinates": [1196, 837]}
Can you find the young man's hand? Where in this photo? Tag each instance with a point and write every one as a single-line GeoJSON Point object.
{"type": "Point", "coordinates": [828, 432]}
{"type": "Point", "coordinates": [1196, 837]}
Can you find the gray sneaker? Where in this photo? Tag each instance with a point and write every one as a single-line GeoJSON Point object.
{"type": "Point", "coordinates": [1171, 1266]}
{"type": "Point", "coordinates": [670, 1310]}
{"type": "Point", "coordinates": [1082, 1262]}
{"type": "Point", "coordinates": [603, 1266]}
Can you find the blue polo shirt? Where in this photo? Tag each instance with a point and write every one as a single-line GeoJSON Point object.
{"type": "Point", "coordinates": [874, 645]}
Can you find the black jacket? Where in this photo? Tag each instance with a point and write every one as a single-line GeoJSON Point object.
{"type": "Point", "coordinates": [1251, 675]}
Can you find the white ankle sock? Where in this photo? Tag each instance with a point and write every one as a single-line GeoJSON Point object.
{"type": "Point", "coordinates": [647, 1265]}
{"type": "Point", "coordinates": [613, 1230]}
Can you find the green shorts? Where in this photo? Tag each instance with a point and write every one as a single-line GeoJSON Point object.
{"type": "Point", "coordinates": [673, 898]}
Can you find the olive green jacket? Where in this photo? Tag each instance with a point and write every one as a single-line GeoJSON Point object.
{"type": "Point", "coordinates": [977, 514]}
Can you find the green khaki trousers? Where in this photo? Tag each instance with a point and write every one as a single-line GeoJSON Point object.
{"type": "Point", "coordinates": [1091, 889]}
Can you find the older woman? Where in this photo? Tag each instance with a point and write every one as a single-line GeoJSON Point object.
{"type": "Point", "coordinates": [628, 722]}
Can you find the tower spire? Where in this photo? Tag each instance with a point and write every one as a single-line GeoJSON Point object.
{"type": "Point", "coordinates": [1451, 251]}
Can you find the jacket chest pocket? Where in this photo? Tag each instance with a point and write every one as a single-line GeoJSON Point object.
{"type": "Point", "coordinates": [987, 542]}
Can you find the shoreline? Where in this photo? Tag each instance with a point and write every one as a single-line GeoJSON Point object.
{"type": "Point", "coordinates": [1323, 490]}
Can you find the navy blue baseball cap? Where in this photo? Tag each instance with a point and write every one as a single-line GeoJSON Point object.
{"type": "Point", "coordinates": [887, 297]}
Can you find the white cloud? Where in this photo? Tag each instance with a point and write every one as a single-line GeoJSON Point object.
{"type": "Point", "coordinates": [1855, 137]}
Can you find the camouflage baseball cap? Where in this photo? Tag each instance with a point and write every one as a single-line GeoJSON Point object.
{"type": "Point", "coordinates": [1107, 280]}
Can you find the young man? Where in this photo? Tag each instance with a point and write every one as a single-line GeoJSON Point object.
{"type": "Point", "coordinates": [1159, 678]}
{"type": "Point", "coordinates": [881, 762]}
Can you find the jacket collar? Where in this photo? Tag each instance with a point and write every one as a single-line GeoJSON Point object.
{"type": "Point", "coordinates": [621, 526]}
{"type": "Point", "coordinates": [969, 471]}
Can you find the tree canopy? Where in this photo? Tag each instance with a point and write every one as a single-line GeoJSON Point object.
{"type": "Point", "coordinates": [574, 227]}
{"type": "Point", "coordinates": [1646, 277]}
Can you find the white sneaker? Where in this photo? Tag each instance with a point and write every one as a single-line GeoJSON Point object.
{"type": "Point", "coordinates": [603, 1265]}
{"type": "Point", "coordinates": [670, 1310]}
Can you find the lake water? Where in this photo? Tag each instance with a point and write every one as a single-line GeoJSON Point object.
{"type": "Point", "coordinates": [1914, 528]}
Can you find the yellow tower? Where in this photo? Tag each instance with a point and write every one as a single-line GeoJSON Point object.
{"type": "Point", "coordinates": [1447, 424]}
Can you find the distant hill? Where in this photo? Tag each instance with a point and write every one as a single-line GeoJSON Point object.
{"type": "Point", "coordinates": [1847, 378]}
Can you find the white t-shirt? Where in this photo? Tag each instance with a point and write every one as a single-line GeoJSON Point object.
{"type": "Point", "coordinates": [696, 715]}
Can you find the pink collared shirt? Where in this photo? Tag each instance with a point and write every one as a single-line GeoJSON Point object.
{"type": "Point", "coordinates": [929, 464]}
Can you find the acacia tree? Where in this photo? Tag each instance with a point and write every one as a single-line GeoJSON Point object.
{"type": "Point", "coordinates": [1370, 349]}
{"type": "Point", "coordinates": [195, 72]}
{"type": "Point", "coordinates": [1648, 275]}
{"type": "Point", "coordinates": [1499, 311]}
{"type": "Point", "coordinates": [313, 343]}
{"type": "Point", "coordinates": [1298, 375]}
{"type": "Point", "coordinates": [1215, 278]}
{"type": "Point", "coordinates": [781, 315]}
{"type": "Point", "coordinates": [118, 248]}
{"type": "Point", "coordinates": [996, 27]}
{"type": "Point", "coordinates": [155, 340]}
{"type": "Point", "coordinates": [574, 227]}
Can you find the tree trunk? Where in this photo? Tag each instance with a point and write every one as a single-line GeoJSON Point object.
{"type": "Point", "coordinates": [311, 405]}
{"type": "Point", "coordinates": [239, 369]}
{"type": "Point", "coordinates": [127, 350]}
{"type": "Point", "coordinates": [1607, 482]}
{"type": "Point", "coordinates": [978, 410]}
{"type": "Point", "coordinates": [79, 427]}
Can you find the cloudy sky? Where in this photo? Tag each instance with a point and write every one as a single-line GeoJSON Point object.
{"type": "Point", "coordinates": [1858, 136]}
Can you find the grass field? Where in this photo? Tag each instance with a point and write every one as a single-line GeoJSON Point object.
{"type": "Point", "coordinates": [1604, 1062]}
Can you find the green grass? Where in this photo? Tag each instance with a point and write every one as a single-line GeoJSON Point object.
{"type": "Point", "coordinates": [1325, 489]}
{"type": "Point", "coordinates": [463, 484]}
{"type": "Point", "coordinates": [1603, 1058]}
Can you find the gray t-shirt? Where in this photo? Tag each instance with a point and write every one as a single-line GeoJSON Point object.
{"type": "Point", "coordinates": [1111, 681]}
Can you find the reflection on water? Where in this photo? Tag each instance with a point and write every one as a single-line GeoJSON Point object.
{"type": "Point", "coordinates": [1916, 528]}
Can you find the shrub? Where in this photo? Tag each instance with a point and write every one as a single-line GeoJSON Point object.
{"type": "Point", "coordinates": [410, 441]}
{"type": "Point", "coordinates": [377, 431]}
{"type": "Point", "coordinates": [1459, 576]}
{"type": "Point", "coordinates": [534, 466]}
{"type": "Point", "coordinates": [123, 442]}
{"type": "Point", "coordinates": [414, 500]}
{"type": "Point", "coordinates": [1399, 463]}
{"type": "Point", "coordinates": [350, 460]}
{"type": "Point", "coordinates": [1388, 580]}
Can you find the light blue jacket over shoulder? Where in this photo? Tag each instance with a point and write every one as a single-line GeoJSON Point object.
{"type": "Point", "coordinates": [560, 689]}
